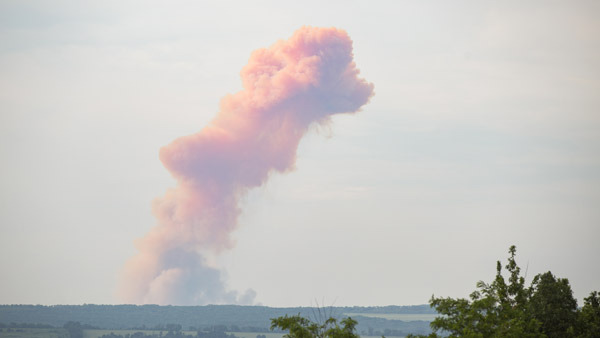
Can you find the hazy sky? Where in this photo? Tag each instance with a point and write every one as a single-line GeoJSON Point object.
{"type": "Point", "coordinates": [484, 132]}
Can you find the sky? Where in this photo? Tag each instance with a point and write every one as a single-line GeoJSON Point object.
{"type": "Point", "coordinates": [483, 133]}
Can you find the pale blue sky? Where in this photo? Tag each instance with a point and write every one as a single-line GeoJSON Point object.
{"type": "Point", "coordinates": [484, 132]}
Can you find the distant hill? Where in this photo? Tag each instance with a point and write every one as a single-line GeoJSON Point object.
{"type": "Point", "coordinates": [372, 320]}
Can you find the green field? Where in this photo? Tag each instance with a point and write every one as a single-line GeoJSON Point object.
{"type": "Point", "coordinates": [254, 334]}
{"type": "Point", "coordinates": [34, 333]}
{"type": "Point", "coordinates": [406, 317]}
{"type": "Point", "coordinates": [100, 333]}
{"type": "Point", "coordinates": [62, 333]}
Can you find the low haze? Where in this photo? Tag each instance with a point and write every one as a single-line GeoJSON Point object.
{"type": "Point", "coordinates": [482, 133]}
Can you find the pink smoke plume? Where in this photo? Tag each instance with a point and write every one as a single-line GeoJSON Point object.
{"type": "Point", "coordinates": [286, 88]}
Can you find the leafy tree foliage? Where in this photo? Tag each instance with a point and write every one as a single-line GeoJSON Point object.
{"type": "Point", "coordinates": [497, 309]}
{"type": "Point", "coordinates": [300, 327]}
{"type": "Point", "coordinates": [75, 329]}
{"type": "Point", "coordinates": [553, 305]}
{"type": "Point", "coordinates": [173, 327]}
{"type": "Point", "coordinates": [507, 308]}
{"type": "Point", "coordinates": [589, 317]}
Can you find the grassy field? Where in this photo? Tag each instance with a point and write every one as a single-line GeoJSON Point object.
{"type": "Point", "coordinates": [407, 317]}
{"type": "Point", "coordinates": [100, 333]}
{"type": "Point", "coordinates": [34, 333]}
{"type": "Point", "coordinates": [254, 334]}
{"type": "Point", "coordinates": [62, 333]}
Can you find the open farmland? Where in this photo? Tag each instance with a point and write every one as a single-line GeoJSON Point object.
{"type": "Point", "coordinates": [406, 317]}
{"type": "Point", "coordinates": [33, 333]}
{"type": "Point", "coordinates": [242, 321]}
{"type": "Point", "coordinates": [100, 333]}
{"type": "Point", "coordinates": [254, 334]}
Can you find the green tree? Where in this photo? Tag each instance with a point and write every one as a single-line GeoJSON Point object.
{"type": "Point", "coordinates": [589, 317]}
{"type": "Point", "coordinates": [173, 327]}
{"type": "Point", "coordinates": [300, 327]}
{"type": "Point", "coordinates": [74, 328]}
{"type": "Point", "coordinates": [498, 309]}
{"type": "Point", "coordinates": [552, 304]}
{"type": "Point", "coordinates": [506, 308]}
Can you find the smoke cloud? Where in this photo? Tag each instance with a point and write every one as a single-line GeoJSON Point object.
{"type": "Point", "coordinates": [286, 88]}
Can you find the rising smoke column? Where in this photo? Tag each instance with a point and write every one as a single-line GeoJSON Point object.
{"type": "Point", "coordinates": [286, 89]}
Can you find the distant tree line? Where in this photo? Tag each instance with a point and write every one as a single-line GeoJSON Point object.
{"type": "Point", "coordinates": [75, 329]}
{"type": "Point", "coordinates": [237, 318]}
